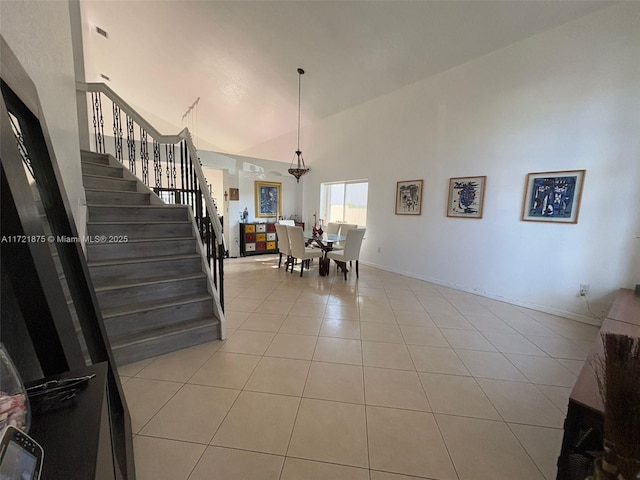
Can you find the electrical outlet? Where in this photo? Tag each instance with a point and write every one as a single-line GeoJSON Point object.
{"type": "Point", "coordinates": [379, 249]}
{"type": "Point", "coordinates": [584, 289]}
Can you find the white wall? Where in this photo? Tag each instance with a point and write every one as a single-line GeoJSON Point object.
{"type": "Point", "coordinates": [39, 33]}
{"type": "Point", "coordinates": [565, 99]}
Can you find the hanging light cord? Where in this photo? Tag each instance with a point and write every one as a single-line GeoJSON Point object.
{"type": "Point", "coordinates": [300, 72]}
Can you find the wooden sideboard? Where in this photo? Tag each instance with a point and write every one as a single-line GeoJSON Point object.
{"type": "Point", "coordinates": [584, 423]}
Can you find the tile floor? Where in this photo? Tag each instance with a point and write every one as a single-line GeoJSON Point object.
{"type": "Point", "coordinates": [381, 378]}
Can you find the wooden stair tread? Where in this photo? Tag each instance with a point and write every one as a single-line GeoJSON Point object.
{"type": "Point", "coordinates": [151, 281]}
{"type": "Point", "coordinates": [143, 240]}
{"type": "Point", "coordinates": [131, 340]}
{"type": "Point", "coordinates": [156, 305]}
{"type": "Point", "coordinates": [160, 258]}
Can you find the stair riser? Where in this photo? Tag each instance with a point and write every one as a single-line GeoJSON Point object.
{"type": "Point", "coordinates": [109, 184]}
{"type": "Point", "coordinates": [113, 251]}
{"type": "Point", "coordinates": [125, 273]}
{"type": "Point", "coordinates": [102, 170]}
{"type": "Point", "coordinates": [131, 296]}
{"type": "Point", "coordinates": [141, 230]}
{"type": "Point", "coordinates": [94, 157]}
{"type": "Point", "coordinates": [136, 323]}
{"type": "Point", "coordinates": [116, 198]}
{"type": "Point", "coordinates": [141, 214]}
{"type": "Point", "coordinates": [159, 346]}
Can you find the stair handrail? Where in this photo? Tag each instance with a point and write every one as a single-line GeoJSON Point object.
{"type": "Point", "coordinates": [184, 134]}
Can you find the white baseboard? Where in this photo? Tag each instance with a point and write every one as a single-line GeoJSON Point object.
{"type": "Point", "coordinates": [579, 317]}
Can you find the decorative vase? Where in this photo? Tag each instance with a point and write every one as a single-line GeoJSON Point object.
{"type": "Point", "coordinates": [14, 403]}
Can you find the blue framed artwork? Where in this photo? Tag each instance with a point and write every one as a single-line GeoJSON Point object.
{"type": "Point", "coordinates": [553, 196]}
{"type": "Point", "coordinates": [466, 197]}
{"type": "Point", "coordinates": [268, 199]}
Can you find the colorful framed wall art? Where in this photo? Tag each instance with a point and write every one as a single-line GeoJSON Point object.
{"type": "Point", "coordinates": [553, 196]}
{"type": "Point", "coordinates": [466, 197]}
{"type": "Point", "coordinates": [268, 198]}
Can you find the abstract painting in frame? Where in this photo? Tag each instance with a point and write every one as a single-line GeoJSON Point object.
{"type": "Point", "coordinates": [268, 199]}
{"type": "Point", "coordinates": [553, 196]}
{"type": "Point", "coordinates": [466, 197]}
{"type": "Point", "coordinates": [409, 197]}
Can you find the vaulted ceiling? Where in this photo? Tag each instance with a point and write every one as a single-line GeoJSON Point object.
{"type": "Point", "coordinates": [240, 57]}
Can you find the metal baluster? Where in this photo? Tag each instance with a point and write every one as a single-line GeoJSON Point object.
{"type": "Point", "coordinates": [157, 167]}
{"type": "Point", "coordinates": [98, 121]}
{"type": "Point", "coordinates": [131, 144]}
{"type": "Point", "coordinates": [171, 166]}
{"type": "Point", "coordinates": [144, 156]}
{"type": "Point", "coordinates": [117, 131]}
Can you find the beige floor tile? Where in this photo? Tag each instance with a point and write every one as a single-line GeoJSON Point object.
{"type": "Point", "coordinates": [558, 395]}
{"type": "Point", "coordinates": [468, 340]}
{"type": "Point", "coordinates": [560, 347]}
{"type": "Point", "coordinates": [279, 375]}
{"type": "Point", "coordinates": [335, 381]}
{"type": "Point", "coordinates": [230, 370]}
{"type": "Point", "coordinates": [407, 442]}
{"type": "Point", "coordinates": [574, 366]}
{"type": "Point", "coordinates": [306, 309]}
{"type": "Point", "coordinates": [528, 326]}
{"type": "Point", "coordinates": [522, 403]}
{"type": "Point", "coordinates": [231, 464]}
{"type": "Point", "coordinates": [235, 319]}
{"type": "Point", "coordinates": [192, 415]}
{"type": "Point", "coordinates": [427, 336]}
{"type": "Point", "coordinates": [264, 322]}
{"type": "Point", "coordinates": [301, 325]}
{"type": "Point", "coordinates": [343, 312]}
{"type": "Point", "coordinates": [386, 355]}
{"type": "Point", "coordinates": [249, 342]}
{"type": "Point", "coordinates": [485, 450]}
{"type": "Point", "coordinates": [179, 366]}
{"type": "Point", "coordinates": [296, 469]}
{"type": "Point", "coordinates": [418, 319]}
{"type": "Point", "coordinates": [406, 305]}
{"type": "Point", "coordinates": [543, 446]}
{"type": "Point", "coordinates": [543, 370]}
{"type": "Point", "coordinates": [513, 343]}
{"type": "Point", "coordinates": [391, 476]}
{"type": "Point", "coordinates": [285, 345]}
{"type": "Point", "coordinates": [437, 360]}
{"type": "Point", "coordinates": [377, 314]}
{"type": "Point", "coordinates": [243, 304]}
{"type": "Point", "coordinates": [338, 350]}
{"type": "Point", "coordinates": [331, 432]}
{"type": "Point", "coordinates": [394, 388]}
{"type": "Point", "coordinates": [161, 459]}
{"type": "Point", "coordinates": [145, 397]}
{"type": "Point", "coordinates": [132, 369]}
{"type": "Point", "coordinates": [313, 297]}
{"type": "Point", "coordinates": [332, 327]}
{"type": "Point", "coordinates": [489, 323]}
{"type": "Point", "coordinates": [365, 301]}
{"type": "Point", "coordinates": [453, 321]}
{"type": "Point", "coordinates": [276, 306]}
{"type": "Point", "coordinates": [381, 332]}
{"type": "Point", "coordinates": [490, 365]}
{"type": "Point", "coordinates": [457, 395]}
{"type": "Point", "coordinates": [260, 422]}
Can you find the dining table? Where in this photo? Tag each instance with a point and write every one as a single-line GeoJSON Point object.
{"type": "Point", "coordinates": [324, 241]}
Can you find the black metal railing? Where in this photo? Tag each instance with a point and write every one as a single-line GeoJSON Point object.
{"type": "Point", "coordinates": [168, 164]}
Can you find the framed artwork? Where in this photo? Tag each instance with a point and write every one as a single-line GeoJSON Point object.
{"type": "Point", "coordinates": [466, 197]}
{"type": "Point", "coordinates": [268, 199]}
{"type": "Point", "coordinates": [409, 197]}
{"type": "Point", "coordinates": [553, 196]}
{"type": "Point", "coordinates": [234, 194]}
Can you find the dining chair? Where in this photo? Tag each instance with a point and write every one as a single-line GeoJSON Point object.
{"type": "Point", "coordinates": [283, 246]}
{"type": "Point", "coordinates": [351, 250]}
{"type": "Point", "coordinates": [298, 248]}
{"type": "Point", "coordinates": [287, 222]}
{"type": "Point", "coordinates": [332, 227]}
{"type": "Point", "coordinates": [344, 228]}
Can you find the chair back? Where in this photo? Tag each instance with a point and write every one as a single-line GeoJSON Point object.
{"type": "Point", "coordinates": [345, 227]}
{"type": "Point", "coordinates": [332, 227]}
{"type": "Point", "coordinates": [287, 222]}
{"type": "Point", "coordinates": [283, 239]}
{"type": "Point", "coordinates": [296, 240]}
{"type": "Point", "coordinates": [353, 243]}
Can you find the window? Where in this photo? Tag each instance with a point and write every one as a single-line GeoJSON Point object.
{"type": "Point", "coordinates": [344, 202]}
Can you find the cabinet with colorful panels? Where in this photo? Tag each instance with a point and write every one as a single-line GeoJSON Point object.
{"type": "Point", "coordinates": [258, 238]}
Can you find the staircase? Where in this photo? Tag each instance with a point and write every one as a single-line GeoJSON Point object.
{"type": "Point", "coordinates": [149, 275]}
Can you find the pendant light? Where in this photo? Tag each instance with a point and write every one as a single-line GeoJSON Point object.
{"type": "Point", "coordinates": [301, 169]}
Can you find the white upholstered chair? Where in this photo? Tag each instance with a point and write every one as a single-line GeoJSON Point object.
{"type": "Point", "coordinates": [284, 246]}
{"type": "Point", "coordinates": [298, 248]}
{"type": "Point", "coordinates": [291, 223]}
{"type": "Point", "coordinates": [351, 250]}
{"type": "Point", "coordinates": [332, 227]}
{"type": "Point", "coordinates": [344, 228]}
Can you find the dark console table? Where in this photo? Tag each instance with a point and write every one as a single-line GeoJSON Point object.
{"type": "Point", "coordinates": [586, 409]}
